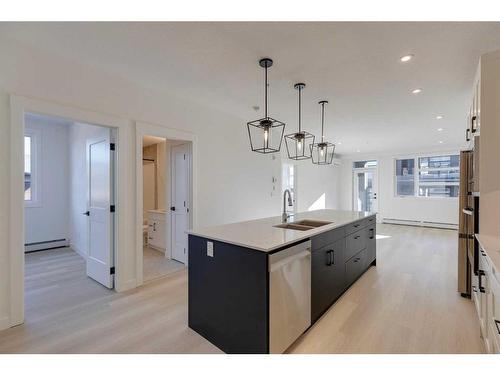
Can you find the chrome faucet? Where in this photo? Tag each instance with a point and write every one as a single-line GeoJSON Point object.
{"type": "Point", "coordinates": [285, 215]}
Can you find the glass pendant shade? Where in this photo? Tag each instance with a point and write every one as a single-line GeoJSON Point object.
{"type": "Point", "coordinates": [266, 134]}
{"type": "Point", "coordinates": [298, 145]}
{"type": "Point", "coordinates": [322, 152]}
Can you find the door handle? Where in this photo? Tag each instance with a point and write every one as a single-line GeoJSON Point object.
{"type": "Point", "coordinates": [481, 273]}
{"type": "Point", "coordinates": [332, 258]}
{"type": "Point", "coordinates": [86, 213]}
{"type": "Point", "coordinates": [467, 139]}
{"type": "Point", "coordinates": [172, 208]}
{"type": "Point", "coordinates": [328, 258]}
{"type": "Point", "coordinates": [473, 124]}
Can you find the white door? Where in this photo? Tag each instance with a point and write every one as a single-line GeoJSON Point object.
{"type": "Point", "coordinates": [365, 190]}
{"type": "Point", "coordinates": [180, 202]}
{"type": "Point", "coordinates": [100, 219]}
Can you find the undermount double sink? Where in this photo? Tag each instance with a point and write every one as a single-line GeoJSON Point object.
{"type": "Point", "coordinates": [303, 225]}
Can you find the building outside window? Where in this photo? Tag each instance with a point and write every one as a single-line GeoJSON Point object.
{"type": "Point", "coordinates": [434, 176]}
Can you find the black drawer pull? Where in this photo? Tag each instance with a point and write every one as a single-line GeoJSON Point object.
{"type": "Point", "coordinates": [372, 232]}
{"type": "Point", "coordinates": [356, 225]}
{"type": "Point", "coordinates": [356, 237]}
{"type": "Point", "coordinates": [481, 273]}
{"type": "Point", "coordinates": [497, 324]}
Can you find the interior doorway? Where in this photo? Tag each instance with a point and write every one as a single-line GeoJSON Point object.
{"type": "Point", "coordinates": [69, 213]}
{"type": "Point", "coordinates": [165, 200]}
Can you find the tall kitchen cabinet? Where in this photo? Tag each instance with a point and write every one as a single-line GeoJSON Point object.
{"type": "Point", "coordinates": [483, 123]}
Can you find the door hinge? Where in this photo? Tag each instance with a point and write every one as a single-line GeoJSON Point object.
{"type": "Point", "coordinates": [112, 208]}
{"type": "Point", "coordinates": [112, 271]}
{"type": "Point", "coordinates": [112, 146]}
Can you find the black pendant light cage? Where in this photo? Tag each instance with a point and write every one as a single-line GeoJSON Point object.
{"type": "Point", "coordinates": [266, 134]}
{"type": "Point", "coordinates": [322, 152]}
{"type": "Point", "coordinates": [298, 145]}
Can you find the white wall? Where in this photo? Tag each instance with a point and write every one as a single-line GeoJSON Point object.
{"type": "Point", "coordinates": [79, 134]}
{"type": "Point", "coordinates": [49, 219]}
{"type": "Point", "coordinates": [317, 186]}
{"type": "Point", "coordinates": [441, 210]}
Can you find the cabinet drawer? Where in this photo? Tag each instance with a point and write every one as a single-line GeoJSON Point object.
{"type": "Point", "coordinates": [355, 266]}
{"type": "Point", "coordinates": [354, 243]}
{"type": "Point", "coordinates": [354, 227]}
{"type": "Point", "coordinates": [329, 237]}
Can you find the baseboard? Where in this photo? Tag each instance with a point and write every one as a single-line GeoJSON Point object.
{"type": "Point", "coordinates": [45, 245]}
{"type": "Point", "coordinates": [4, 323]}
{"type": "Point", "coordinates": [79, 251]}
{"type": "Point", "coordinates": [420, 223]}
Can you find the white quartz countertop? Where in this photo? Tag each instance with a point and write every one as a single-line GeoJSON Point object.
{"type": "Point", "coordinates": [491, 246]}
{"type": "Point", "coordinates": [261, 234]}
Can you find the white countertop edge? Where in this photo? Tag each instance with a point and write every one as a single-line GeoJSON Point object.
{"type": "Point", "coordinates": [204, 232]}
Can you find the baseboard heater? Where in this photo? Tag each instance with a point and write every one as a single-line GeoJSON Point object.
{"type": "Point", "coordinates": [420, 223]}
{"type": "Point", "coordinates": [45, 245]}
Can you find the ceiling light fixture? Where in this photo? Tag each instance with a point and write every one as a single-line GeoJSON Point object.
{"type": "Point", "coordinates": [440, 129]}
{"type": "Point", "coordinates": [416, 91]}
{"type": "Point", "coordinates": [439, 117]}
{"type": "Point", "coordinates": [406, 58]}
{"type": "Point", "coordinates": [265, 134]}
{"type": "Point", "coordinates": [440, 142]}
{"type": "Point", "coordinates": [322, 153]}
{"type": "Point", "coordinates": [298, 145]}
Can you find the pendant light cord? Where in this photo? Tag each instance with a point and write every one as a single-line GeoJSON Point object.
{"type": "Point", "coordinates": [300, 105]}
{"type": "Point", "coordinates": [322, 121]}
{"type": "Point", "coordinates": [265, 104]}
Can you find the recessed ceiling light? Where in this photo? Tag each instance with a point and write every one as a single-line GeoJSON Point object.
{"type": "Point", "coordinates": [339, 143]}
{"type": "Point", "coordinates": [406, 58]}
{"type": "Point", "coordinates": [440, 129]}
{"type": "Point", "coordinates": [440, 142]}
{"type": "Point", "coordinates": [358, 150]}
{"type": "Point", "coordinates": [416, 91]}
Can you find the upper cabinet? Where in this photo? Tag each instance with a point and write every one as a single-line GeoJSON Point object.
{"type": "Point", "coordinates": [473, 125]}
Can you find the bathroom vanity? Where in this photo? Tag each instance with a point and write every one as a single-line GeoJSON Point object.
{"type": "Point", "coordinates": [256, 286]}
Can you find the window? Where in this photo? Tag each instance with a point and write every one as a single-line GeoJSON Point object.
{"type": "Point", "coordinates": [27, 169]}
{"type": "Point", "coordinates": [31, 163]}
{"type": "Point", "coordinates": [405, 177]}
{"type": "Point", "coordinates": [428, 176]}
{"type": "Point", "coordinates": [365, 164]}
{"type": "Point", "coordinates": [439, 176]}
{"type": "Point", "coordinates": [289, 179]}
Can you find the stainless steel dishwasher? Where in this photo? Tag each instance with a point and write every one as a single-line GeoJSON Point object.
{"type": "Point", "coordinates": [289, 295]}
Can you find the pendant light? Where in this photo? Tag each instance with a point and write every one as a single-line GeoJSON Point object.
{"type": "Point", "coordinates": [322, 153]}
{"type": "Point", "coordinates": [265, 134]}
{"type": "Point", "coordinates": [298, 144]}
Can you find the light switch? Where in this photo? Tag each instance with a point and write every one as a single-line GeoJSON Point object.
{"type": "Point", "coordinates": [210, 249]}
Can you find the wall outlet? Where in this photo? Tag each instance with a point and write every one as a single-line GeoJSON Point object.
{"type": "Point", "coordinates": [210, 249]}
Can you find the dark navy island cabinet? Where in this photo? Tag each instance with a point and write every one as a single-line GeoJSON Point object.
{"type": "Point", "coordinates": [228, 301]}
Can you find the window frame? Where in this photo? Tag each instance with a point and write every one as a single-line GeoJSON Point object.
{"type": "Point", "coordinates": [416, 174]}
{"type": "Point", "coordinates": [36, 149]}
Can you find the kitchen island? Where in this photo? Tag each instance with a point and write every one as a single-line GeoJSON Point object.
{"type": "Point", "coordinates": [256, 286]}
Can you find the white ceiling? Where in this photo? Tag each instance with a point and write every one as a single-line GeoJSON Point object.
{"type": "Point", "coordinates": [354, 65]}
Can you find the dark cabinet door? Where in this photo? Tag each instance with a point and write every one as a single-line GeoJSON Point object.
{"type": "Point", "coordinates": [371, 244]}
{"type": "Point", "coordinates": [327, 277]}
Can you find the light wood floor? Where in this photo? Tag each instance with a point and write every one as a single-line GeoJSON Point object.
{"type": "Point", "coordinates": [407, 304]}
{"type": "Point", "coordinates": [155, 264]}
